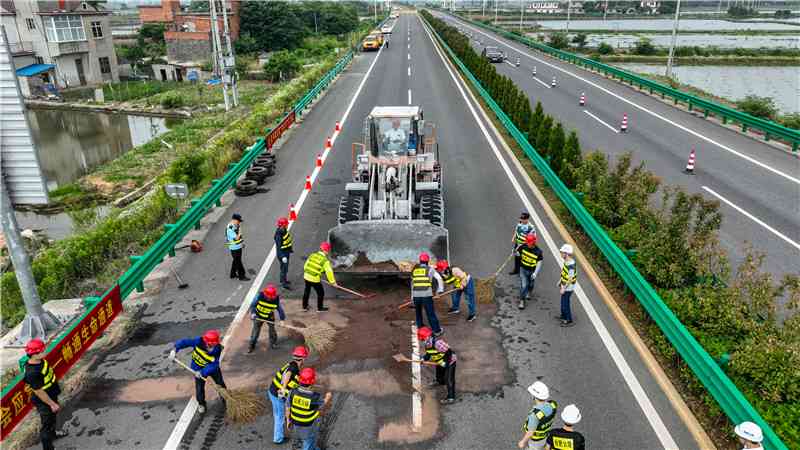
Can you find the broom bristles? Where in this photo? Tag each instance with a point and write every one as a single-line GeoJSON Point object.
{"type": "Point", "coordinates": [484, 289]}
{"type": "Point", "coordinates": [319, 337]}
{"type": "Point", "coordinates": [241, 406]}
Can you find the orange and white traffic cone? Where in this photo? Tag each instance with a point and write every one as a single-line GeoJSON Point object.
{"type": "Point", "coordinates": [338, 127]}
{"type": "Point", "coordinates": [533, 72]}
{"type": "Point", "coordinates": [292, 213]}
{"type": "Point", "coordinates": [328, 143]}
{"type": "Point", "coordinates": [690, 164]}
{"type": "Point", "coordinates": [319, 160]}
{"type": "Point", "coordinates": [624, 125]}
{"type": "Point", "coordinates": [582, 101]}
{"type": "Point", "coordinates": [553, 83]}
{"type": "Point", "coordinates": [308, 183]}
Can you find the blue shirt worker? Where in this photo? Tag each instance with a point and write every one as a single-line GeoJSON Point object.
{"type": "Point", "coordinates": [206, 351]}
{"type": "Point", "coordinates": [284, 381]}
{"type": "Point", "coordinates": [540, 418]}
{"type": "Point", "coordinates": [422, 277]}
{"type": "Point", "coordinates": [235, 243]}
{"type": "Point", "coordinates": [522, 229]}
{"type": "Point", "coordinates": [283, 244]}
{"type": "Point", "coordinates": [304, 407]}
{"type": "Point", "coordinates": [530, 263]}
{"type": "Point", "coordinates": [566, 284]}
{"type": "Point", "coordinates": [262, 310]}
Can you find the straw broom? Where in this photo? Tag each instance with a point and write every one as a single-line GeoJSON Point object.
{"type": "Point", "coordinates": [484, 288]}
{"type": "Point", "coordinates": [318, 337]}
{"type": "Point", "coordinates": [241, 406]}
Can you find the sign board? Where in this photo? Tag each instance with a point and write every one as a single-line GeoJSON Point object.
{"type": "Point", "coordinates": [176, 190]}
{"type": "Point", "coordinates": [22, 173]}
{"type": "Point", "coordinates": [276, 134]}
{"type": "Point", "coordinates": [16, 401]}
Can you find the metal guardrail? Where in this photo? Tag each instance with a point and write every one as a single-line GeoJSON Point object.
{"type": "Point", "coordinates": [732, 402]}
{"type": "Point", "coordinates": [769, 128]}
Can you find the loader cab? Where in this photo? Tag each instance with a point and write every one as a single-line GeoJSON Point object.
{"type": "Point", "coordinates": [394, 132]}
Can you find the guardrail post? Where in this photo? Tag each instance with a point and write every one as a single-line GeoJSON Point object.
{"type": "Point", "coordinates": [140, 284]}
{"type": "Point", "coordinates": [214, 183]}
{"type": "Point", "coordinates": [724, 119]}
{"type": "Point", "coordinates": [794, 147]}
{"type": "Point", "coordinates": [705, 114]}
{"type": "Point", "coordinates": [630, 253]}
{"type": "Point", "coordinates": [690, 106]}
{"type": "Point", "coordinates": [167, 228]}
{"type": "Point", "coordinates": [766, 136]}
{"type": "Point", "coordinates": [744, 127]}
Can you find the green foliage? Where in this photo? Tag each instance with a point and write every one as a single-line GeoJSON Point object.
{"type": "Point", "coordinates": [570, 159]}
{"type": "Point", "coordinates": [172, 100]}
{"type": "Point", "coordinates": [556, 146]}
{"type": "Point", "coordinates": [132, 90]}
{"type": "Point", "coordinates": [790, 121]}
{"type": "Point", "coordinates": [543, 136]}
{"type": "Point", "coordinates": [153, 31]}
{"type": "Point", "coordinates": [741, 11]}
{"type": "Point", "coordinates": [199, 6]}
{"type": "Point", "coordinates": [579, 40]}
{"type": "Point", "coordinates": [605, 49]}
{"type": "Point", "coordinates": [558, 40]}
{"type": "Point", "coordinates": [281, 65]}
{"type": "Point", "coordinates": [754, 105]}
{"type": "Point", "coordinates": [644, 47]}
{"type": "Point", "coordinates": [247, 45]}
{"type": "Point", "coordinates": [536, 120]}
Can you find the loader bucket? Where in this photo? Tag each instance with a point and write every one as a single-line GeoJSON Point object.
{"type": "Point", "coordinates": [385, 246]}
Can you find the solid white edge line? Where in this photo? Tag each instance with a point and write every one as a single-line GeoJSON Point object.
{"type": "Point", "coordinates": [753, 218]}
{"type": "Point", "coordinates": [598, 119]}
{"type": "Point", "coordinates": [541, 82]}
{"type": "Point", "coordinates": [176, 437]}
{"type": "Point", "coordinates": [650, 413]}
{"type": "Point", "coordinates": [416, 382]}
{"type": "Point", "coordinates": [652, 113]}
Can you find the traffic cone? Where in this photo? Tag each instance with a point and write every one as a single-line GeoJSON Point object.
{"type": "Point", "coordinates": [319, 160]}
{"type": "Point", "coordinates": [533, 72]}
{"type": "Point", "coordinates": [338, 127]}
{"type": "Point", "coordinates": [553, 83]}
{"type": "Point", "coordinates": [690, 164]}
{"type": "Point", "coordinates": [624, 126]}
{"type": "Point", "coordinates": [582, 101]}
{"type": "Point", "coordinates": [328, 143]}
{"type": "Point", "coordinates": [292, 213]}
{"type": "Point", "coordinates": [308, 183]}
{"type": "Point", "coordinates": [517, 61]}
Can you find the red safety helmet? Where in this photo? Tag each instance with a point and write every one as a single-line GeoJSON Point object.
{"type": "Point", "coordinates": [325, 246]}
{"type": "Point", "coordinates": [307, 377]}
{"type": "Point", "coordinates": [424, 257]}
{"type": "Point", "coordinates": [270, 291]}
{"type": "Point", "coordinates": [530, 239]}
{"type": "Point", "coordinates": [283, 222]}
{"type": "Point", "coordinates": [211, 337]}
{"type": "Point", "coordinates": [34, 346]}
{"type": "Point", "coordinates": [441, 265]}
{"type": "Point", "coordinates": [424, 333]}
{"type": "Point", "coordinates": [300, 352]}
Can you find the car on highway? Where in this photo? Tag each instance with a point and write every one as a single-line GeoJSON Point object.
{"type": "Point", "coordinates": [373, 42]}
{"type": "Point", "coordinates": [493, 54]}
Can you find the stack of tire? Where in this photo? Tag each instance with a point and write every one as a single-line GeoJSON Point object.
{"type": "Point", "coordinates": [432, 208]}
{"type": "Point", "coordinates": [262, 167]}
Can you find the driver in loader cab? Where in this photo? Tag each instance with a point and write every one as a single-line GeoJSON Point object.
{"type": "Point", "coordinates": [396, 137]}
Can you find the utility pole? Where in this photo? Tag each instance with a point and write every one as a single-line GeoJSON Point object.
{"type": "Point", "coordinates": [37, 321]}
{"type": "Point", "coordinates": [230, 59]}
{"type": "Point", "coordinates": [521, 14]}
{"type": "Point", "coordinates": [605, 11]}
{"type": "Point", "coordinates": [483, 14]}
{"type": "Point", "coordinates": [375, 11]}
{"type": "Point", "coordinates": [668, 73]}
{"type": "Point", "coordinates": [496, 2]}
{"type": "Point", "coordinates": [218, 53]}
{"type": "Point", "coordinates": [569, 8]}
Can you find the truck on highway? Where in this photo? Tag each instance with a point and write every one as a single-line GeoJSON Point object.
{"type": "Point", "coordinates": [394, 207]}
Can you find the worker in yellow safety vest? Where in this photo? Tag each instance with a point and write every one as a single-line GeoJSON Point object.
{"type": "Point", "coordinates": [540, 418]}
{"type": "Point", "coordinates": [566, 284]}
{"type": "Point", "coordinates": [304, 407]}
{"type": "Point", "coordinates": [315, 265]}
{"type": "Point", "coordinates": [41, 379]}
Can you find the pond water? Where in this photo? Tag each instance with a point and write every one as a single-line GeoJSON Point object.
{"type": "Point", "coordinates": [736, 82]}
{"type": "Point", "coordinates": [664, 24]}
{"type": "Point", "coordinates": [700, 40]}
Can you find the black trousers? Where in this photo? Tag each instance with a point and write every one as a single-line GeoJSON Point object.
{"type": "Point", "coordinates": [200, 386]}
{"type": "Point", "coordinates": [318, 289]}
{"type": "Point", "coordinates": [256, 331]}
{"type": "Point", "coordinates": [237, 268]}
{"type": "Point", "coordinates": [284, 269]}
{"type": "Point", "coordinates": [47, 434]}
{"type": "Point", "coordinates": [447, 375]}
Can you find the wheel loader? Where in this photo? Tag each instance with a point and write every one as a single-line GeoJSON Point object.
{"type": "Point", "coordinates": [394, 208]}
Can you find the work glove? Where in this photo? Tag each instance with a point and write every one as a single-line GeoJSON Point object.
{"type": "Point", "coordinates": [197, 374]}
{"type": "Point", "coordinates": [284, 260]}
{"type": "Point", "coordinates": [172, 354]}
{"type": "Point", "coordinates": [252, 316]}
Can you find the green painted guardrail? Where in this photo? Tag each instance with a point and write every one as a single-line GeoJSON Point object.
{"type": "Point", "coordinates": [730, 399]}
{"type": "Point", "coordinates": [769, 128]}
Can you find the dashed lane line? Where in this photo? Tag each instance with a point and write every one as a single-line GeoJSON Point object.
{"type": "Point", "coordinates": [604, 123]}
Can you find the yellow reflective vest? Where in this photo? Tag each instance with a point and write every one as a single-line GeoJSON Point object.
{"type": "Point", "coordinates": [317, 263]}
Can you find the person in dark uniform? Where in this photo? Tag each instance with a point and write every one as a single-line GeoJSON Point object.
{"type": "Point", "coordinates": [205, 362]}
{"type": "Point", "coordinates": [566, 438]}
{"type": "Point", "coordinates": [284, 381]}
{"type": "Point", "coordinates": [283, 244]}
{"type": "Point", "coordinates": [235, 243]}
{"type": "Point", "coordinates": [262, 309]}
{"type": "Point", "coordinates": [304, 407]}
{"type": "Point", "coordinates": [438, 352]}
{"type": "Point", "coordinates": [39, 376]}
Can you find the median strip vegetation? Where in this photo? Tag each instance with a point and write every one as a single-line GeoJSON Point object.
{"type": "Point", "coordinates": [675, 246]}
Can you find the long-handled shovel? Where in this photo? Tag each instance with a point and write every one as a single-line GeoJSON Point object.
{"type": "Point", "coordinates": [435, 297]}
{"type": "Point", "coordinates": [318, 337]}
{"type": "Point", "coordinates": [241, 406]}
{"type": "Point", "coordinates": [402, 358]}
{"type": "Point", "coordinates": [350, 291]}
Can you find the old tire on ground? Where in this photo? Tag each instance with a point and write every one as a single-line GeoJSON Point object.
{"type": "Point", "coordinates": [246, 187]}
{"type": "Point", "coordinates": [257, 173]}
{"type": "Point", "coordinates": [350, 209]}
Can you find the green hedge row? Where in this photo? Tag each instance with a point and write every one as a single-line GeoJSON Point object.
{"type": "Point", "coordinates": [676, 248]}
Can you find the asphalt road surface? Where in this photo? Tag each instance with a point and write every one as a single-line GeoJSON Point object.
{"type": "Point", "coordinates": [138, 397]}
{"type": "Point", "coordinates": [757, 185]}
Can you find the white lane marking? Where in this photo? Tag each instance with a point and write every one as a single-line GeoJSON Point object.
{"type": "Point", "coordinates": [652, 113]}
{"type": "Point", "coordinates": [409, 45]}
{"type": "Point", "coordinates": [189, 411]}
{"type": "Point", "coordinates": [409, 96]}
{"type": "Point", "coordinates": [753, 218]}
{"type": "Point", "coordinates": [509, 63]}
{"type": "Point", "coordinates": [409, 56]}
{"type": "Point", "coordinates": [409, 70]}
{"type": "Point", "coordinates": [416, 381]}
{"type": "Point", "coordinates": [541, 82]}
{"type": "Point", "coordinates": [598, 119]}
{"type": "Point", "coordinates": [638, 392]}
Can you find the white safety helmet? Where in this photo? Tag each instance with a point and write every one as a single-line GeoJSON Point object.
{"type": "Point", "coordinates": [566, 248]}
{"type": "Point", "coordinates": [539, 391]}
{"type": "Point", "coordinates": [571, 415]}
{"type": "Point", "coordinates": [749, 431]}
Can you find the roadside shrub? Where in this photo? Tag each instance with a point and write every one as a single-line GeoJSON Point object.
{"type": "Point", "coordinates": [579, 40]}
{"type": "Point", "coordinates": [754, 105]}
{"type": "Point", "coordinates": [281, 66]}
{"type": "Point", "coordinates": [172, 100]}
{"type": "Point", "coordinates": [558, 40]}
{"type": "Point", "coordinates": [644, 47]}
{"type": "Point", "coordinates": [790, 121]}
{"type": "Point", "coordinates": [605, 49]}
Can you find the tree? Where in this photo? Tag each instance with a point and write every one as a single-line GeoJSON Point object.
{"type": "Point", "coordinates": [536, 120]}
{"type": "Point", "coordinates": [570, 159]}
{"type": "Point", "coordinates": [754, 105]}
{"type": "Point", "coordinates": [579, 40]}
{"type": "Point", "coordinates": [246, 44]}
{"type": "Point", "coordinates": [605, 49]}
{"type": "Point", "coordinates": [152, 31]}
{"type": "Point", "coordinates": [556, 146]}
{"type": "Point", "coordinates": [543, 135]}
{"type": "Point", "coordinates": [282, 65]}
{"type": "Point", "coordinates": [645, 47]}
{"type": "Point", "coordinates": [199, 6]}
{"type": "Point", "coordinates": [558, 40]}
{"type": "Point", "coordinates": [275, 25]}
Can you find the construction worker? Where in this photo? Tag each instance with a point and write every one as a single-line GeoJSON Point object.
{"type": "Point", "coordinates": [206, 351]}
{"type": "Point", "coordinates": [566, 284]}
{"type": "Point", "coordinates": [262, 309]}
{"type": "Point", "coordinates": [317, 263]}
{"type": "Point", "coordinates": [285, 380]}
{"type": "Point", "coordinates": [437, 351]}
{"type": "Point", "coordinates": [463, 284]}
{"type": "Point", "coordinates": [530, 263]}
{"type": "Point", "coordinates": [540, 417]}
{"type": "Point", "coordinates": [303, 408]}
{"type": "Point", "coordinates": [41, 379]}
{"type": "Point", "coordinates": [750, 435]}
{"type": "Point", "coordinates": [235, 243]}
{"type": "Point", "coordinates": [283, 244]}
{"type": "Point", "coordinates": [522, 229]}
{"type": "Point", "coordinates": [422, 277]}
{"type": "Point", "coordinates": [566, 438]}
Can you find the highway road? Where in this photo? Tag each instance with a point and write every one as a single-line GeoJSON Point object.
{"type": "Point", "coordinates": [757, 185]}
{"type": "Point", "coordinates": [138, 400]}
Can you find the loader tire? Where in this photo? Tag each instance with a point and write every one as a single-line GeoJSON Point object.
{"type": "Point", "coordinates": [350, 209]}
